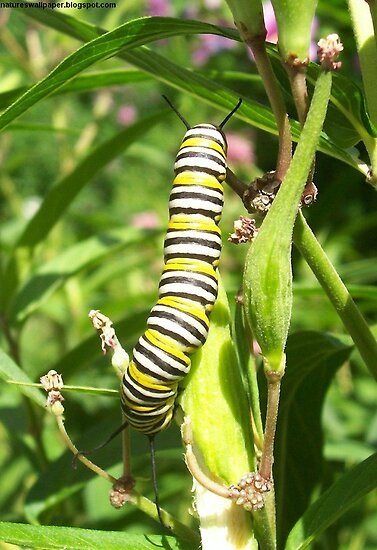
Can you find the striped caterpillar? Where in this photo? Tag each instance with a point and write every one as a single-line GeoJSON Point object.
{"type": "Point", "coordinates": [178, 323]}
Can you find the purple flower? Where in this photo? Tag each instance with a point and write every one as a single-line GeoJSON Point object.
{"type": "Point", "coordinates": [158, 7]}
{"type": "Point", "coordinates": [240, 149]}
{"type": "Point", "coordinates": [210, 44]}
{"type": "Point", "coordinates": [126, 115]}
{"type": "Point", "coordinates": [212, 4]}
{"type": "Point", "coordinates": [145, 220]}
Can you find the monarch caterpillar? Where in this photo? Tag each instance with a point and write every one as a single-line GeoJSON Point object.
{"type": "Point", "coordinates": [178, 324]}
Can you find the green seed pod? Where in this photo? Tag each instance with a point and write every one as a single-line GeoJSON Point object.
{"type": "Point", "coordinates": [248, 18]}
{"type": "Point", "coordinates": [268, 277]}
{"type": "Point", "coordinates": [268, 292]}
{"type": "Point", "coordinates": [294, 20]}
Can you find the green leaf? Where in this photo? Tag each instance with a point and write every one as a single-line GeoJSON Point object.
{"type": "Point", "coordinates": [64, 192]}
{"type": "Point", "coordinates": [60, 482]}
{"type": "Point", "coordinates": [54, 274]}
{"type": "Point", "coordinates": [214, 383]}
{"type": "Point", "coordinates": [10, 371]}
{"type": "Point", "coordinates": [130, 35]}
{"type": "Point", "coordinates": [39, 536]}
{"type": "Point", "coordinates": [82, 84]}
{"type": "Point", "coordinates": [335, 502]}
{"type": "Point", "coordinates": [18, 127]}
{"type": "Point", "coordinates": [189, 81]}
{"type": "Point", "coordinates": [312, 360]}
{"type": "Point", "coordinates": [357, 291]}
{"type": "Point", "coordinates": [214, 399]}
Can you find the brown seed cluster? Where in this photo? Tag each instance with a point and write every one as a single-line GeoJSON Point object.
{"type": "Point", "coordinates": [245, 231]}
{"type": "Point", "coordinates": [250, 491]}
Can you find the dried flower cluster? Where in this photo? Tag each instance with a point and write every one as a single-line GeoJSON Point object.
{"type": "Point", "coordinates": [245, 231]}
{"type": "Point", "coordinates": [250, 491]}
{"type": "Point", "coordinates": [104, 326]}
{"type": "Point", "coordinates": [329, 49]}
{"type": "Point", "coordinates": [120, 493]}
{"type": "Point", "coordinates": [52, 382]}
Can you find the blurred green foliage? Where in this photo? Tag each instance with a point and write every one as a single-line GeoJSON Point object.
{"type": "Point", "coordinates": [131, 192]}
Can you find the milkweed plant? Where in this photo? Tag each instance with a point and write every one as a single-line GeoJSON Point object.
{"type": "Point", "coordinates": [273, 439]}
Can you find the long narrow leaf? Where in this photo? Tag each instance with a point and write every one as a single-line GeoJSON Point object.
{"type": "Point", "coordinates": [83, 83]}
{"type": "Point", "coordinates": [130, 35]}
{"type": "Point", "coordinates": [70, 262]}
{"type": "Point", "coordinates": [186, 80]}
{"type": "Point", "coordinates": [333, 504]}
{"type": "Point", "coordinates": [83, 539]}
{"type": "Point", "coordinates": [64, 192]}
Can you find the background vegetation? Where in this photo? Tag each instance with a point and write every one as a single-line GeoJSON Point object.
{"type": "Point", "coordinates": [85, 180]}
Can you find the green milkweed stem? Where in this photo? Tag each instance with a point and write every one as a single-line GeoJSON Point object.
{"type": "Point", "coordinates": [126, 451]}
{"type": "Point", "coordinates": [141, 502]}
{"type": "Point", "coordinates": [258, 46]}
{"type": "Point", "coordinates": [193, 466]}
{"type": "Point", "coordinates": [273, 395]}
{"type": "Point", "coordinates": [297, 79]}
{"type": "Point", "coordinates": [69, 444]}
{"type": "Point", "coordinates": [327, 276]}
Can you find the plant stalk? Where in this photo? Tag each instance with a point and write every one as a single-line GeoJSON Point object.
{"type": "Point", "coordinates": [273, 396]}
{"type": "Point", "coordinates": [353, 320]}
{"type": "Point", "coordinates": [258, 47]}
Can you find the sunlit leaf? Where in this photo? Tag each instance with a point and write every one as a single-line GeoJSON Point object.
{"type": "Point", "coordinates": [64, 192]}
{"type": "Point", "coordinates": [75, 259]}
{"type": "Point", "coordinates": [83, 83]}
{"type": "Point", "coordinates": [188, 81]}
{"type": "Point", "coordinates": [83, 539]}
{"type": "Point", "coordinates": [130, 35]}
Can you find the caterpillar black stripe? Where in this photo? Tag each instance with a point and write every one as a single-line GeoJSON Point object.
{"type": "Point", "coordinates": [178, 323]}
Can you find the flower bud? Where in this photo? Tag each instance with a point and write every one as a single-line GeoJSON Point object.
{"type": "Point", "coordinates": [294, 21]}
